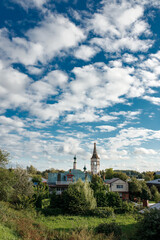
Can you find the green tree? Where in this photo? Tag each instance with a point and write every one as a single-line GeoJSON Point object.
{"type": "Point", "coordinates": [100, 190]}
{"type": "Point", "coordinates": [135, 188]}
{"type": "Point", "coordinates": [41, 191]}
{"type": "Point", "coordinates": [109, 173]}
{"type": "Point", "coordinates": [155, 193]}
{"type": "Point", "coordinates": [4, 158]}
{"type": "Point", "coordinates": [6, 184]}
{"type": "Point", "coordinates": [22, 185]}
{"type": "Point", "coordinates": [113, 199]}
{"type": "Point", "coordinates": [31, 170]}
{"type": "Point", "coordinates": [121, 175]}
{"type": "Point", "coordinates": [77, 199]}
{"type": "Point", "coordinates": [148, 176]}
{"type": "Point", "coordinates": [145, 193]}
{"type": "Point", "coordinates": [148, 226]}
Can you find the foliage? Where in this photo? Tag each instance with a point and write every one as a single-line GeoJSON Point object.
{"type": "Point", "coordinates": [97, 184]}
{"type": "Point", "coordinates": [41, 191]}
{"type": "Point", "coordinates": [6, 183]}
{"type": "Point", "coordinates": [36, 179]}
{"type": "Point", "coordinates": [135, 188]}
{"type": "Point", "coordinates": [22, 186]}
{"type": "Point", "coordinates": [100, 190]}
{"type": "Point", "coordinates": [155, 193]}
{"type": "Point", "coordinates": [148, 176]}
{"type": "Point", "coordinates": [149, 227]}
{"type": "Point", "coordinates": [120, 175]}
{"type": "Point", "coordinates": [31, 170]}
{"type": "Point", "coordinates": [109, 173]}
{"type": "Point", "coordinates": [4, 158]}
{"type": "Point", "coordinates": [77, 199]}
{"type": "Point", "coordinates": [109, 228]}
{"type": "Point", "coordinates": [102, 212]}
{"type": "Point", "coordinates": [125, 208]}
{"type": "Point", "coordinates": [139, 189]}
{"type": "Point", "coordinates": [145, 192]}
{"type": "Point", "coordinates": [113, 199]}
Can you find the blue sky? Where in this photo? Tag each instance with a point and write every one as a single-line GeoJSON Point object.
{"type": "Point", "coordinates": [77, 72]}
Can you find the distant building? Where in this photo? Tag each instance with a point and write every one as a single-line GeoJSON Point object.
{"type": "Point", "coordinates": [119, 186]}
{"type": "Point", "coordinates": [95, 161]}
{"type": "Point", "coordinates": [155, 182]}
{"type": "Point", "coordinates": [60, 181]}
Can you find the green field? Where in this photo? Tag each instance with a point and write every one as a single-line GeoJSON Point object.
{"type": "Point", "coordinates": [16, 224]}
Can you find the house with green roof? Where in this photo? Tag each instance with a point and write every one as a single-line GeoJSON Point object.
{"type": "Point", "coordinates": [60, 181]}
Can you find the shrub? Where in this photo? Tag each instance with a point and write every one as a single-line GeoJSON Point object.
{"type": "Point", "coordinates": [113, 199]}
{"type": "Point", "coordinates": [125, 208]}
{"type": "Point", "coordinates": [149, 226]}
{"type": "Point", "coordinates": [109, 228]}
{"type": "Point", "coordinates": [77, 199]}
{"type": "Point", "coordinates": [102, 212]}
{"type": "Point", "coordinates": [52, 211]}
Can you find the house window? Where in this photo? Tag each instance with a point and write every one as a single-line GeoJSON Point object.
{"type": "Point", "coordinates": [119, 186]}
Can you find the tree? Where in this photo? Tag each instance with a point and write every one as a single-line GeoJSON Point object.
{"type": "Point", "coordinates": [155, 193]}
{"type": "Point", "coordinates": [148, 176]}
{"type": "Point", "coordinates": [22, 185]}
{"type": "Point", "coordinates": [41, 191]}
{"type": "Point", "coordinates": [77, 199]}
{"type": "Point", "coordinates": [135, 188]}
{"type": "Point", "coordinates": [100, 190]}
{"type": "Point", "coordinates": [148, 226]}
{"type": "Point", "coordinates": [146, 193]}
{"type": "Point", "coordinates": [120, 175]}
{"type": "Point", "coordinates": [109, 173]}
{"type": "Point", "coordinates": [4, 158]}
{"type": "Point", "coordinates": [31, 170]}
{"type": "Point", "coordinates": [6, 184]}
{"type": "Point", "coordinates": [113, 199]}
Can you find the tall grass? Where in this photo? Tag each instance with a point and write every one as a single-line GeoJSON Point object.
{"type": "Point", "coordinates": [28, 225]}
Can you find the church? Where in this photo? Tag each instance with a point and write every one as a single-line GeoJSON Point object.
{"type": "Point", "coordinates": [60, 181]}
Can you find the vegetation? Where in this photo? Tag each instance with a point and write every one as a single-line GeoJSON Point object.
{"type": "Point", "coordinates": [77, 199]}
{"type": "Point", "coordinates": [83, 211]}
{"type": "Point", "coordinates": [149, 227]}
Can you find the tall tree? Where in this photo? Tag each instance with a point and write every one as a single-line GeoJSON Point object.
{"type": "Point", "coordinates": [4, 158]}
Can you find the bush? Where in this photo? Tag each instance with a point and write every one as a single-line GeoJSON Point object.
{"type": "Point", "coordinates": [113, 199]}
{"type": "Point", "coordinates": [77, 199]}
{"type": "Point", "coordinates": [125, 208]}
{"type": "Point", "coordinates": [149, 226]}
{"type": "Point", "coordinates": [51, 211]}
{"type": "Point", "coordinates": [109, 228]}
{"type": "Point", "coordinates": [102, 212]}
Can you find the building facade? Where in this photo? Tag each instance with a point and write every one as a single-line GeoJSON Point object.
{"type": "Point", "coordinates": [119, 186]}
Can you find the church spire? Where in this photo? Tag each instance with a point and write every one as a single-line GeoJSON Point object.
{"type": "Point", "coordinates": [95, 155]}
{"type": "Point", "coordinates": [95, 161]}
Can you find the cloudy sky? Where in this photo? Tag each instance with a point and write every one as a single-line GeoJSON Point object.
{"type": "Point", "coordinates": [75, 72]}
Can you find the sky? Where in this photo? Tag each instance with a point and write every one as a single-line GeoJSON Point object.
{"type": "Point", "coordinates": [75, 72]}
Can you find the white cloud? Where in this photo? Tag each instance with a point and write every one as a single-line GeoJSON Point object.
{"type": "Point", "coordinates": [144, 151]}
{"type": "Point", "coordinates": [54, 34]}
{"type": "Point", "coordinates": [85, 52]}
{"type": "Point", "coordinates": [30, 3]}
{"type": "Point", "coordinates": [106, 128]}
{"type": "Point", "coordinates": [118, 26]}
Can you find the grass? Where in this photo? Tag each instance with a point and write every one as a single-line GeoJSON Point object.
{"type": "Point", "coordinates": [29, 225]}
{"type": "Point", "coordinates": [7, 233]}
{"type": "Point", "coordinates": [127, 222]}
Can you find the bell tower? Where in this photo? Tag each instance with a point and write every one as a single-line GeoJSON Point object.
{"type": "Point", "coordinates": [75, 162]}
{"type": "Point", "coordinates": [95, 161]}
